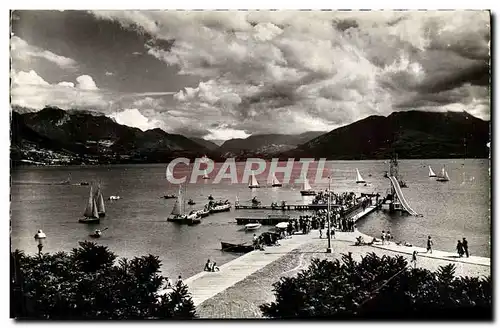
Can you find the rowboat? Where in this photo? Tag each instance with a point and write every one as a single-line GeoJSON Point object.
{"type": "Point", "coordinates": [236, 248]}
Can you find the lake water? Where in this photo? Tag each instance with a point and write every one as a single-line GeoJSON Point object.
{"type": "Point", "coordinates": [137, 222]}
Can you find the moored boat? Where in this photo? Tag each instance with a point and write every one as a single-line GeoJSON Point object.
{"type": "Point", "coordinates": [306, 188]}
{"type": "Point", "coordinates": [220, 208]}
{"type": "Point", "coordinates": [236, 248]}
{"type": "Point", "coordinates": [252, 226]}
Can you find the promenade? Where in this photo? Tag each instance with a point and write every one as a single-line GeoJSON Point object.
{"type": "Point", "coordinates": [228, 292]}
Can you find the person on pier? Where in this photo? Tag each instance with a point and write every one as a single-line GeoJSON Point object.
{"type": "Point", "coordinates": [430, 243]}
{"type": "Point", "coordinates": [460, 248]}
{"type": "Point", "coordinates": [465, 245]}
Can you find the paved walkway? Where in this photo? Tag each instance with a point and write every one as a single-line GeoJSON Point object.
{"type": "Point", "coordinates": [206, 285]}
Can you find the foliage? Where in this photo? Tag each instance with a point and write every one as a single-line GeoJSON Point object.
{"type": "Point", "coordinates": [379, 287]}
{"type": "Point", "coordinates": [87, 284]}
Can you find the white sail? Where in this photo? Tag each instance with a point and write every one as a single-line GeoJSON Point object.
{"type": "Point", "coordinates": [306, 185]}
{"type": "Point", "coordinates": [100, 202]}
{"type": "Point", "coordinates": [179, 203]}
{"type": "Point", "coordinates": [443, 175]}
{"type": "Point", "coordinates": [89, 210]}
{"type": "Point", "coordinates": [431, 172]}
{"type": "Point", "coordinates": [95, 213]}
{"type": "Point", "coordinates": [274, 180]}
{"type": "Point", "coordinates": [359, 178]}
{"type": "Point", "coordinates": [205, 174]}
{"type": "Point", "coordinates": [253, 181]}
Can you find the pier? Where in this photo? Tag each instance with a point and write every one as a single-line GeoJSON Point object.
{"type": "Point", "coordinates": [206, 285]}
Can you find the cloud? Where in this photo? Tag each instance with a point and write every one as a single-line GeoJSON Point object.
{"type": "Point", "coordinates": [133, 117]}
{"type": "Point", "coordinates": [290, 72]}
{"type": "Point", "coordinates": [30, 90]}
{"type": "Point", "coordinates": [21, 50]}
{"type": "Point", "coordinates": [85, 82]}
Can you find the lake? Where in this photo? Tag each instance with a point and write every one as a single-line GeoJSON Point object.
{"type": "Point", "coordinates": [137, 222]}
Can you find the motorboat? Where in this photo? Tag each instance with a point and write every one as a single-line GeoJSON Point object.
{"type": "Point", "coordinates": [191, 202]}
{"type": "Point", "coordinates": [252, 226]}
{"type": "Point", "coordinates": [220, 208]}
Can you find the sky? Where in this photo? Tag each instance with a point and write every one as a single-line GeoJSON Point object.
{"type": "Point", "coordinates": [219, 75]}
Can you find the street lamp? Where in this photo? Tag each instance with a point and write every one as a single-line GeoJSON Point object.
{"type": "Point", "coordinates": [40, 237]}
{"type": "Point", "coordinates": [329, 249]}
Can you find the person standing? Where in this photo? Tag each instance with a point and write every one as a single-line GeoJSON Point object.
{"type": "Point", "coordinates": [383, 237]}
{"type": "Point", "coordinates": [460, 249]}
{"type": "Point", "coordinates": [465, 245]}
{"type": "Point", "coordinates": [429, 244]}
{"type": "Point", "coordinates": [179, 282]}
{"type": "Point", "coordinates": [414, 259]}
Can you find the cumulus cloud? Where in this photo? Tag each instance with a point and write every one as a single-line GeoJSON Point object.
{"type": "Point", "coordinates": [28, 89]}
{"type": "Point", "coordinates": [133, 117]}
{"type": "Point", "coordinates": [290, 71]}
{"type": "Point", "coordinates": [21, 50]}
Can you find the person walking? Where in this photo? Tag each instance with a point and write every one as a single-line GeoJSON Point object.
{"type": "Point", "coordinates": [465, 245]}
{"type": "Point", "coordinates": [429, 244]}
{"type": "Point", "coordinates": [460, 248]}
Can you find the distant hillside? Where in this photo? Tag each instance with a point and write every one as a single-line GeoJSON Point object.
{"type": "Point", "coordinates": [91, 138]}
{"type": "Point", "coordinates": [205, 143]}
{"type": "Point", "coordinates": [264, 145]}
{"type": "Point", "coordinates": [412, 134]}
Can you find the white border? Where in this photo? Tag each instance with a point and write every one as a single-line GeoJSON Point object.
{"type": "Point", "coordinates": [185, 4]}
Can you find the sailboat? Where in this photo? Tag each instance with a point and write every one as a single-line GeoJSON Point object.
{"type": "Point", "coordinates": [91, 215]}
{"type": "Point", "coordinates": [359, 178]}
{"type": "Point", "coordinates": [275, 182]}
{"type": "Point", "coordinates": [177, 214]}
{"type": "Point", "coordinates": [431, 173]}
{"type": "Point", "coordinates": [443, 176]}
{"type": "Point", "coordinates": [100, 203]}
{"type": "Point", "coordinates": [253, 182]}
{"type": "Point", "coordinates": [306, 188]}
{"type": "Point", "coordinates": [205, 174]}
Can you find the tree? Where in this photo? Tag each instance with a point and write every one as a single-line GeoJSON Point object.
{"type": "Point", "coordinates": [379, 287]}
{"type": "Point", "coordinates": [88, 284]}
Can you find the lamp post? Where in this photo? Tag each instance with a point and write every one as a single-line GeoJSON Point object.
{"type": "Point", "coordinates": [329, 249]}
{"type": "Point", "coordinates": [40, 237]}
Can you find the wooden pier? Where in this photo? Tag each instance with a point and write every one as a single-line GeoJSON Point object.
{"type": "Point", "coordinates": [292, 207]}
{"type": "Point", "coordinates": [268, 220]}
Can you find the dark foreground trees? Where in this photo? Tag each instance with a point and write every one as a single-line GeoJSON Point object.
{"type": "Point", "coordinates": [88, 284]}
{"type": "Point", "coordinates": [380, 288]}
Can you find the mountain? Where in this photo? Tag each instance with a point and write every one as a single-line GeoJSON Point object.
{"type": "Point", "coordinates": [205, 143]}
{"type": "Point", "coordinates": [411, 134]}
{"type": "Point", "coordinates": [264, 145]}
{"type": "Point", "coordinates": [90, 137]}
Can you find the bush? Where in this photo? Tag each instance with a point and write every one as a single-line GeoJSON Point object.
{"type": "Point", "coordinates": [379, 287]}
{"type": "Point", "coordinates": [87, 284]}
